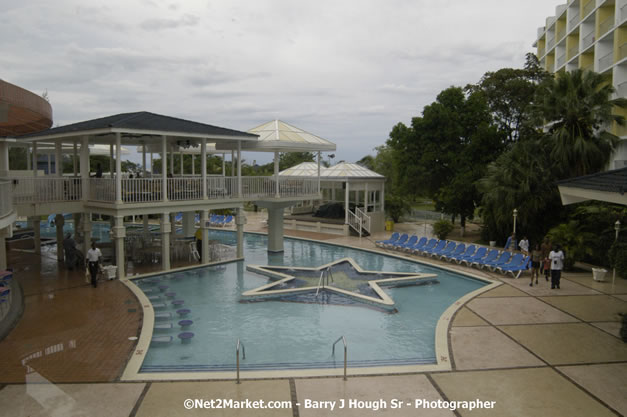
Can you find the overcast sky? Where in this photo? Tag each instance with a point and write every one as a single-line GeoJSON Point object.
{"type": "Point", "coordinates": [347, 71]}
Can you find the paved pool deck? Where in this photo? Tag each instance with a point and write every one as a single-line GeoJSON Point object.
{"type": "Point", "coordinates": [532, 350]}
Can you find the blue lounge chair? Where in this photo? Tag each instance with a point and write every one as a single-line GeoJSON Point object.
{"type": "Point", "coordinates": [226, 220]}
{"type": "Point", "coordinates": [500, 261]}
{"type": "Point", "coordinates": [393, 238]}
{"type": "Point", "coordinates": [400, 241]}
{"type": "Point", "coordinates": [460, 248]}
{"type": "Point", "coordinates": [514, 269]}
{"type": "Point", "coordinates": [488, 258]}
{"type": "Point", "coordinates": [450, 247]}
{"type": "Point", "coordinates": [478, 255]}
{"type": "Point", "coordinates": [428, 246]}
{"type": "Point", "coordinates": [468, 251]}
{"type": "Point", "coordinates": [516, 259]}
{"type": "Point", "coordinates": [410, 242]}
{"type": "Point", "coordinates": [441, 245]}
{"type": "Point", "coordinates": [417, 246]}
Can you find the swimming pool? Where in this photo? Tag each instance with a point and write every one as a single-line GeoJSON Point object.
{"type": "Point", "coordinates": [291, 335]}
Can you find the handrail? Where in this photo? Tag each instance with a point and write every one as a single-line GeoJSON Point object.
{"type": "Point", "coordinates": [319, 282]}
{"type": "Point", "coordinates": [237, 356]}
{"type": "Point", "coordinates": [343, 339]}
{"type": "Point", "coordinates": [365, 218]}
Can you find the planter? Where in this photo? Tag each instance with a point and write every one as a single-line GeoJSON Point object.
{"type": "Point", "coordinates": [598, 274]}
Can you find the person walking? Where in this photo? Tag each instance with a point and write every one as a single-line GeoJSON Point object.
{"type": "Point", "coordinates": [536, 260]}
{"type": "Point", "coordinates": [524, 245]}
{"type": "Point", "coordinates": [93, 259]}
{"type": "Point", "coordinates": [545, 248]}
{"type": "Point", "coordinates": [198, 236]}
{"type": "Point", "coordinates": [557, 263]}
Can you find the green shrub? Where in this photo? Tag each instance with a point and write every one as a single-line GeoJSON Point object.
{"type": "Point", "coordinates": [396, 206]}
{"type": "Point", "coordinates": [442, 228]}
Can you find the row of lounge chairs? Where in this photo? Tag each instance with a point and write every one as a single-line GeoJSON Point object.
{"type": "Point", "coordinates": [471, 255]}
{"type": "Point", "coordinates": [217, 220]}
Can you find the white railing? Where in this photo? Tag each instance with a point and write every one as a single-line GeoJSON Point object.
{"type": "Point", "coordinates": [573, 21]}
{"type": "Point", "coordinates": [6, 202]}
{"type": "Point", "coordinates": [102, 189]}
{"type": "Point", "coordinates": [184, 189]}
{"type": "Point", "coordinates": [622, 51]}
{"type": "Point", "coordinates": [354, 221]}
{"type": "Point", "coordinates": [588, 40]}
{"type": "Point", "coordinates": [588, 8]}
{"type": "Point", "coordinates": [621, 89]}
{"type": "Point", "coordinates": [45, 190]}
{"type": "Point", "coordinates": [221, 187]}
{"type": "Point", "coordinates": [139, 190]}
{"type": "Point", "coordinates": [623, 13]}
{"type": "Point", "coordinates": [549, 43]}
{"type": "Point", "coordinates": [560, 34]}
{"type": "Point", "coordinates": [606, 25]}
{"type": "Point", "coordinates": [573, 51]}
{"type": "Point", "coordinates": [606, 61]}
{"type": "Point", "coordinates": [296, 187]}
{"type": "Point", "coordinates": [257, 187]}
{"type": "Point", "coordinates": [365, 219]}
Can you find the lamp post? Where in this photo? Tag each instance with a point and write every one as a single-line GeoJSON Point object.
{"type": "Point", "coordinates": [515, 215]}
{"type": "Point", "coordinates": [617, 228]}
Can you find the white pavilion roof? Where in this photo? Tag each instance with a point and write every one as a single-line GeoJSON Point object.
{"type": "Point", "coordinates": [304, 169]}
{"type": "Point", "coordinates": [347, 170]}
{"type": "Point", "coordinates": [278, 136]}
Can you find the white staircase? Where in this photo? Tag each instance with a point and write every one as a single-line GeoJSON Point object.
{"type": "Point", "coordinates": [359, 221]}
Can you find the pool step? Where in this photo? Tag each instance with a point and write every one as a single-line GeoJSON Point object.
{"type": "Point", "coordinates": [161, 339]}
{"type": "Point", "coordinates": [159, 305]}
{"type": "Point", "coordinates": [163, 326]}
{"type": "Point", "coordinates": [154, 297]}
{"type": "Point", "coordinates": [163, 316]}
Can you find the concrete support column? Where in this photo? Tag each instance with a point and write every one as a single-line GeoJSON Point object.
{"type": "Point", "coordinates": [144, 159]}
{"type": "Point", "coordinates": [193, 166]}
{"type": "Point", "coordinates": [383, 197]}
{"type": "Point", "coordinates": [319, 172]}
{"type": "Point", "coordinates": [224, 165]}
{"type": "Point", "coordinates": [239, 168]}
{"type": "Point", "coordinates": [152, 169]}
{"type": "Point", "coordinates": [4, 159]}
{"type": "Point", "coordinates": [119, 232]}
{"type": "Point", "coordinates": [189, 227]}
{"type": "Point", "coordinates": [166, 229]}
{"type": "Point", "coordinates": [240, 221]}
{"type": "Point", "coordinates": [37, 237]}
{"type": "Point", "coordinates": [84, 166]}
{"type": "Point", "coordinates": [203, 166]}
{"type": "Point", "coordinates": [58, 160]}
{"type": "Point", "coordinates": [276, 173]}
{"type": "Point", "coordinates": [275, 229]}
{"type": "Point", "coordinates": [59, 221]}
{"type": "Point", "coordinates": [172, 162]}
{"type": "Point", "coordinates": [49, 164]}
{"type": "Point", "coordinates": [111, 163]}
{"type": "Point", "coordinates": [29, 159]}
{"type": "Point", "coordinates": [86, 232]}
{"type": "Point", "coordinates": [118, 168]}
{"type": "Point", "coordinates": [204, 219]}
{"type": "Point", "coordinates": [182, 168]}
{"type": "Point", "coordinates": [146, 226]}
{"type": "Point", "coordinates": [164, 169]}
{"type": "Point", "coordinates": [366, 199]}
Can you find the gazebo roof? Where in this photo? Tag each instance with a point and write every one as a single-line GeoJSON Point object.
{"type": "Point", "coordinates": [348, 170]}
{"type": "Point", "coordinates": [304, 169]}
{"type": "Point", "coordinates": [278, 136]}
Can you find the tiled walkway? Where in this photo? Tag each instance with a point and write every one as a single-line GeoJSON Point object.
{"type": "Point", "coordinates": [532, 350]}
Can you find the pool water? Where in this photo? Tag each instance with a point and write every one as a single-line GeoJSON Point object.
{"type": "Point", "coordinates": [286, 335]}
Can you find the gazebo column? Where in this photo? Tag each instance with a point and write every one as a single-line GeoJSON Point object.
{"type": "Point", "coordinates": [319, 172]}
{"type": "Point", "coordinates": [204, 229]}
{"type": "Point", "coordinates": [36, 220]}
{"type": "Point", "coordinates": [189, 228]}
{"type": "Point", "coordinates": [193, 167]}
{"type": "Point", "coordinates": [29, 160]}
{"type": "Point", "coordinates": [239, 168]}
{"type": "Point", "coordinates": [203, 166]}
{"type": "Point", "coordinates": [59, 221]}
{"type": "Point", "coordinates": [58, 160]}
{"type": "Point", "coordinates": [346, 203]}
{"type": "Point", "coordinates": [111, 164]}
{"type": "Point", "coordinates": [152, 169]}
{"type": "Point", "coordinates": [232, 163]}
{"type": "Point", "coordinates": [4, 159]}
{"type": "Point", "coordinates": [35, 156]}
{"type": "Point", "coordinates": [383, 197]}
{"type": "Point", "coordinates": [118, 168]}
{"type": "Point", "coordinates": [164, 169]}
{"type": "Point", "coordinates": [49, 164]}
{"type": "Point", "coordinates": [166, 229]}
{"type": "Point", "coordinates": [119, 232]}
{"type": "Point", "coordinates": [144, 159]}
{"type": "Point", "coordinates": [276, 173]}
{"type": "Point", "coordinates": [275, 223]}
{"type": "Point", "coordinates": [224, 165]}
{"type": "Point", "coordinates": [172, 162]}
{"type": "Point", "coordinates": [75, 159]}
{"type": "Point", "coordinates": [182, 169]}
{"type": "Point", "coordinates": [84, 167]}
{"type": "Point", "coordinates": [240, 221]}
{"type": "Point", "coordinates": [3, 249]}
{"type": "Point", "coordinates": [366, 198]}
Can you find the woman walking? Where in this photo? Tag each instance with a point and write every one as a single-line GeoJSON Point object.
{"type": "Point", "coordinates": [536, 258]}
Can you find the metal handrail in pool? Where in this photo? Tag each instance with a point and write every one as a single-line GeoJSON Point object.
{"type": "Point", "coordinates": [343, 339]}
{"type": "Point", "coordinates": [237, 355]}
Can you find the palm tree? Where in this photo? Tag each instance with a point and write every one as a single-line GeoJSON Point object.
{"type": "Point", "coordinates": [577, 108]}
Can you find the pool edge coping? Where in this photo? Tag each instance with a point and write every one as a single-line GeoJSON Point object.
{"type": "Point", "coordinates": [442, 349]}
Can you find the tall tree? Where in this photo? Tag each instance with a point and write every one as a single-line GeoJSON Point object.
{"type": "Point", "coordinates": [577, 108]}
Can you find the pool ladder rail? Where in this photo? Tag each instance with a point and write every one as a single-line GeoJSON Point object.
{"type": "Point", "coordinates": [237, 356]}
{"type": "Point", "coordinates": [328, 276]}
{"type": "Point", "coordinates": [343, 339]}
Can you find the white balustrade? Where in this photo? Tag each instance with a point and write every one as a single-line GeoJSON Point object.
{"type": "Point", "coordinates": [606, 61]}
{"type": "Point", "coordinates": [102, 189]}
{"type": "Point", "coordinates": [366, 221]}
{"type": "Point", "coordinates": [45, 190]}
{"type": "Point", "coordinates": [185, 189]}
{"type": "Point", "coordinates": [588, 40]}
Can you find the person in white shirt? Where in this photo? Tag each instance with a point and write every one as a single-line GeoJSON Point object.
{"type": "Point", "coordinates": [524, 245]}
{"type": "Point", "coordinates": [557, 263]}
{"type": "Point", "coordinates": [93, 258]}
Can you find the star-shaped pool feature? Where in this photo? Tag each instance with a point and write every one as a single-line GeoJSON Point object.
{"type": "Point", "coordinates": [333, 283]}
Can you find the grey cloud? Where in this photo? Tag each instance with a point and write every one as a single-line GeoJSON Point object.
{"type": "Point", "coordinates": [161, 24]}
